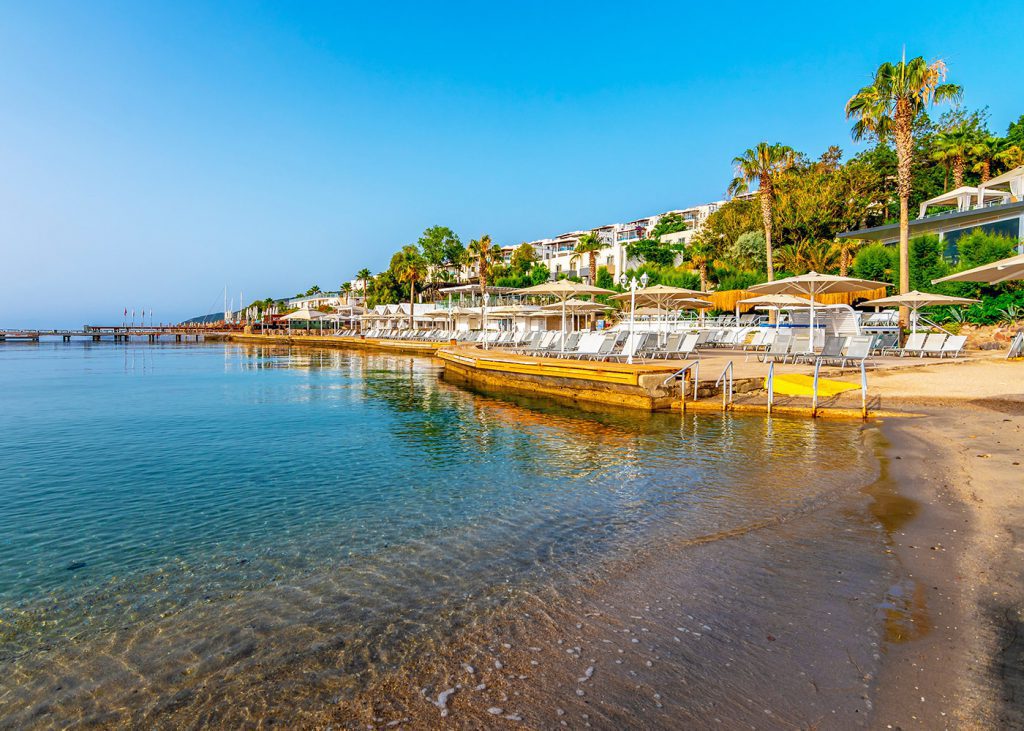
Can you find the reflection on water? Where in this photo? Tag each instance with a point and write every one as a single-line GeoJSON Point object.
{"type": "Point", "coordinates": [182, 523]}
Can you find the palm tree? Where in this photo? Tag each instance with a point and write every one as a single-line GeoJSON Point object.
{"type": "Point", "coordinates": [888, 107]}
{"type": "Point", "coordinates": [410, 267]}
{"type": "Point", "coordinates": [1012, 157]}
{"type": "Point", "coordinates": [954, 147]}
{"type": "Point", "coordinates": [364, 275]}
{"type": "Point", "coordinates": [590, 244]}
{"type": "Point", "coordinates": [846, 249]}
{"type": "Point", "coordinates": [984, 150]}
{"type": "Point", "coordinates": [762, 165]}
{"type": "Point", "coordinates": [701, 255]}
{"type": "Point", "coordinates": [486, 254]}
{"type": "Point", "coordinates": [346, 287]}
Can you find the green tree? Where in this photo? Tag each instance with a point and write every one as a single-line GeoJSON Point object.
{"type": "Point", "coordinates": [670, 223]}
{"type": "Point", "coordinates": [364, 275]}
{"type": "Point", "coordinates": [1011, 157]}
{"type": "Point", "coordinates": [701, 254]}
{"type": "Point", "coordinates": [926, 262]}
{"type": "Point", "coordinates": [984, 151]}
{"type": "Point", "coordinates": [654, 251]}
{"type": "Point", "coordinates": [589, 245]}
{"type": "Point", "coordinates": [954, 147]}
{"type": "Point", "coordinates": [978, 247]}
{"type": "Point", "coordinates": [409, 266]}
{"type": "Point", "coordinates": [877, 262]}
{"type": "Point", "coordinates": [1015, 133]}
{"type": "Point", "coordinates": [749, 252]}
{"type": "Point", "coordinates": [762, 165]}
{"type": "Point", "coordinates": [385, 289]}
{"type": "Point", "coordinates": [485, 254]}
{"type": "Point", "coordinates": [523, 258]}
{"type": "Point", "coordinates": [441, 247]}
{"type": "Point", "coordinates": [888, 107]}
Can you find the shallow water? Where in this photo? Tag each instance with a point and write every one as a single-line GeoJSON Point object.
{"type": "Point", "coordinates": [187, 523]}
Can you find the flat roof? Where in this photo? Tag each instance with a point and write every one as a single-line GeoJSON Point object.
{"type": "Point", "coordinates": [941, 222]}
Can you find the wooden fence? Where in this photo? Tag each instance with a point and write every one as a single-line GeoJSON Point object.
{"type": "Point", "coordinates": [727, 299]}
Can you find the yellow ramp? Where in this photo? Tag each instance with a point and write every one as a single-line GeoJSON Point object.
{"type": "Point", "coordinates": [796, 384]}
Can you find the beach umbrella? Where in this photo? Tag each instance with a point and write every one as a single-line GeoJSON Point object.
{"type": "Point", "coordinates": [916, 300]}
{"type": "Point", "coordinates": [774, 301]}
{"type": "Point", "coordinates": [1004, 270]}
{"type": "Point", "coordinates": [813, 284]}
{"type": "Point", "coordinates": [660, 296]}
{"type": "Point", "coordinates": [563, 290]}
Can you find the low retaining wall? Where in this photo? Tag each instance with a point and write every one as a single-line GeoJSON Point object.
{"type": "Point", "coordinates": [613, 384]}
{"type": "Point", "coordinates": [422, 347]}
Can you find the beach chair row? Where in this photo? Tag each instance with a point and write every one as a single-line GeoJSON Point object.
{"type": "Point", "coordinates": [934, 345]}
{"type": "Point", "coordinates": [837, 349]}
{"type": "Point", "coordinates": [611, 346]}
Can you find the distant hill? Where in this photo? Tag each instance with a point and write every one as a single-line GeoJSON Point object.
{"type": "Point", "coordinates": [203, 319]}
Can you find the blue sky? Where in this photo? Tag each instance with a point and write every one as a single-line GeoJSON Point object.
{"type": "Point", "coordinates": [153, 152]}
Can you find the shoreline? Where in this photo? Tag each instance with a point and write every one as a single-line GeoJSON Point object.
{"type": "Point", "coordinates": [957, 663]}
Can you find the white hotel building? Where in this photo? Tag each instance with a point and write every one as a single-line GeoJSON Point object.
{"type": "Point", "coordinates": [557, 253]}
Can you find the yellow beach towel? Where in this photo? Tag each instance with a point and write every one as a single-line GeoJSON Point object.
{"type": "Point", "coordinates": [795, 384]}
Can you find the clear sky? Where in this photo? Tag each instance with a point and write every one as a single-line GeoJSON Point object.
{"type": "Point", "coordinates": [152, 153]}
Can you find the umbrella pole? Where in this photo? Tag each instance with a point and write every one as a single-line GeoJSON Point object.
{"type": "Point", "coordinates": [563, 324]}
{"type": "Point", "coordinates": [811, 341]}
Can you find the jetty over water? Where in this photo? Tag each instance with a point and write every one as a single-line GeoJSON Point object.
{"type": "Point", "coordinates": [115, 333]}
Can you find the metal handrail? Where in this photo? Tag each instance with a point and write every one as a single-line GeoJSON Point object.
{"type": "Point", "coordinates": [771, 386]}
{"type": "Point", "coordinates": [814, 402]}
{"type": "Point", "coordinates": [936, 325]}
{"type": "Point", "coordinates": [863, 391]}
{"type": "Point", "coordinates": [681, 373]}
{"type": "Point", "coordinates": [721, 381]}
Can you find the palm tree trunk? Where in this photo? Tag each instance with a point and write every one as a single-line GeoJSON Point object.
{"type": "Point", "coordinates": [412, 301]}
{"type": "Point", "coordinates": [958, 171]}
{"type": "Point", "coordinates": [703, 271]}
{"type": "Point", "coordinates": [593, 268]}
{"type": "Point", "coordinates": [766, 217]}
{"type": "Point", "coordinates": [904, 118]}
{"type": "Point", "coordinates": [986, 170]}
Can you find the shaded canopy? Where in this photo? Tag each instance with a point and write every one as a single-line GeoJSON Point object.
{"type": "Point", "coordinates": [1004, 270]}
{"type": "Point", "coordinates": [577, 306]}
{"type": "Point", "coordinates": [304, 314]}
{"type": "Point", "coordinates": [563, 289]}
{"type": "Point", "coordinates": [781, 301]}
{"type": "Point", "coordinates": [915, 299]}
{"type": "Point", "coordinates": [813, 284]}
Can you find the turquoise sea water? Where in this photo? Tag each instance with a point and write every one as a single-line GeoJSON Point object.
{"type": "Point", "coordinates": [140, 483]}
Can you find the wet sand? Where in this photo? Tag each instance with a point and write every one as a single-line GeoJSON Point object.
{"type": "Point", "coordinates": [960, 664]}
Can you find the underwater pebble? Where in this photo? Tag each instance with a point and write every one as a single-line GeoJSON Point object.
{"type": "Point", "coordinates": [442, 699]}
{"type": "Point", "coordinates": [495, 711]}
{"type": "Point", "coordinates": [498, 665]}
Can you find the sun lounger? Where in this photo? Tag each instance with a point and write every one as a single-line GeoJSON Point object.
{"type": "Point", "coordinates": [832, 350]}
{"type": "Point", "coordinates": [779, 349]}
{"type": "Point", "coordinates": [953, 347]}
{"type": "Point", "coordinates": [858, 350]}
{"type": "Point", "coordinates": [886, 343]}
{"type": "Point", "coordinates": [633, 344]}
{"type": "Point", "coordinates": [933, 344]}
{"type": "Point", "coordinates": [915, 341]}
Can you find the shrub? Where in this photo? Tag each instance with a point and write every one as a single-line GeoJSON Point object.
{"type": "Point", "coordinates": [877, 262]}
{"type": "Point", "coordinates": [977, 248]}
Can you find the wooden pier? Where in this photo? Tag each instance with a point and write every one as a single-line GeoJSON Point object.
{"type": "Point", "coordinates": [115, 333]}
